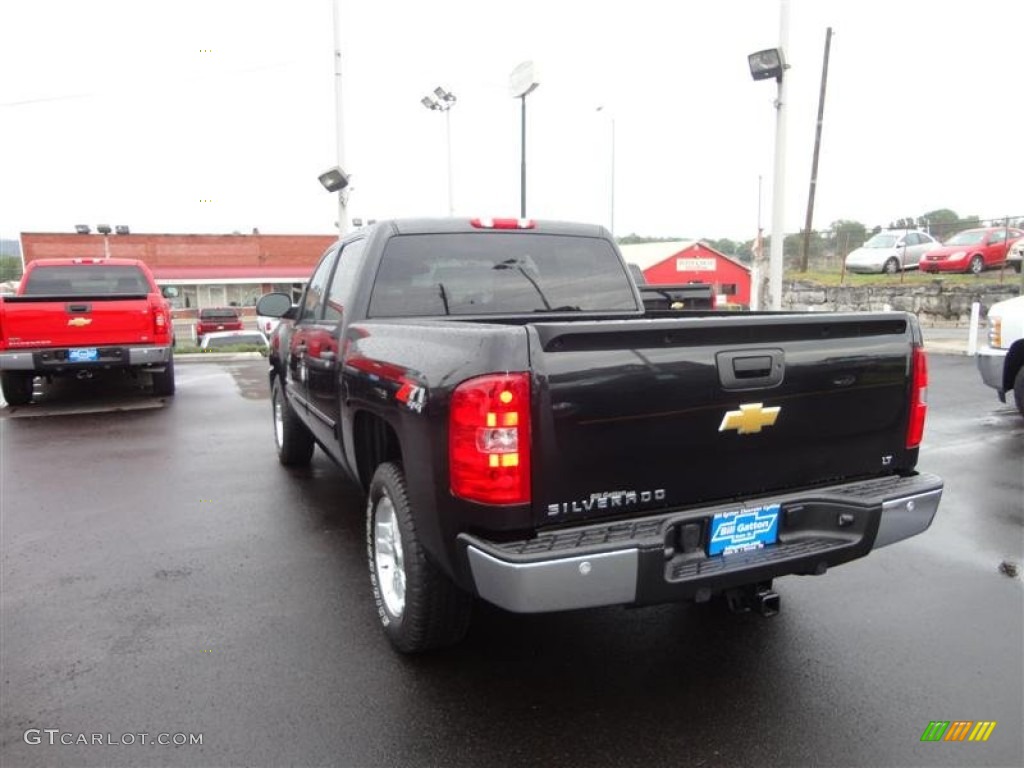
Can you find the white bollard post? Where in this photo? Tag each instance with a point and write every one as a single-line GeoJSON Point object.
{"type": "Point", "coordinates": [972, 338]}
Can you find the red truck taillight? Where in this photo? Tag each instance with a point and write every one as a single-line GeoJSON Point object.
{"type": "Point", "coordinates": [161, 319]}
{"type": "Point", "coordinates": [489, 439]}
{"type": "Point", "coordinates": [918, 398]}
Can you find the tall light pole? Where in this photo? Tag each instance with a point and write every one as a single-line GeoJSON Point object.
{"type": "Point", "coordinates": [521, 83]}
{"type": "Point", "coordinates": [611, 184]}
{"type": "Point", "coordinates": [443, 101]}
{"type": "Point", "coordinates": [771, 63]}
{"type": "Point", "coordinates": [339, 126]}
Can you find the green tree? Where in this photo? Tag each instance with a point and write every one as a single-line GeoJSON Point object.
{"type": "Point", "coordinates": [793, 248]}
{"type": "Point", "coordinates": [10, 268]}
{"type": "Point", "coordinates": [943, 222]}
{"type": "Point", "coordinates": [725, 245]}
{"type": "Point", "coordinates": [844, 235]}
{"type": "Point", "coordinates": [634, 239]}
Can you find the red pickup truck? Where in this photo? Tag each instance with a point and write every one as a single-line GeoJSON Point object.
{"type": "Point", "coordinates": [75, 317]}
{"type": "Point", "coordinates": [215, 319]}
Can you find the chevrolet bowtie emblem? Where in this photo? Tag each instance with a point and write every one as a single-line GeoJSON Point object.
{"type": "Point", "coordinates": [78, 322]}
{"type": "Point", "coordinates": [750, 418]}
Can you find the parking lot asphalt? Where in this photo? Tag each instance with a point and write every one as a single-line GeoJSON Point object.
{"type": "Point", "coordinates": [163, 574]}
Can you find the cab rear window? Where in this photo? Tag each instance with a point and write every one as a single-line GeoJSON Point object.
{"type": "Point", "coordinates": [218, 314]}
{"type": "Point", "coordinates": [86, 280]}
{"type": "Point", "coordinates": [496, 273]}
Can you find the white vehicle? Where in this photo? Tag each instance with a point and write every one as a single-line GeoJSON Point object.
{"type": "Point", "coordinates": [266, 325]}
{"type": "Point", "coordinates": [890, 251]}
{"type": "Point", "coordinates": [221, 339]}
{"type": "Point", "coordinates": [1001, 362]}
{"type": "Point", "coordinates": [1016, 255]}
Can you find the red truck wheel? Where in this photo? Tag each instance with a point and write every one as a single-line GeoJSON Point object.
{"type": "Point", "coordinates": [419, 607]}
{"type": "Point", "coordinates": [17, 387]}
{"type": "Point", "coordinates": [163, 382]}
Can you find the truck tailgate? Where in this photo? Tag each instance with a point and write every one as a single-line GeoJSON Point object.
{"type": "Point", "coordinates": [45, 322]}
{"type": "Point", "coordinates": [633, 416]}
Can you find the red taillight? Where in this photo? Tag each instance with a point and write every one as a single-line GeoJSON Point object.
{"type": "Point", "coordinates": [918, 398]}
{"type": "Point", "coordinates": [503, 223]}
{"type": "Point", "coordinates": [160, 318]}
{"type": "Point", "coordinates": [489, 439]}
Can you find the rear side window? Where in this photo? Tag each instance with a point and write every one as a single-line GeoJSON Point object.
{"type": "Point", "coordinates": [497, 273]}
{"type": "Point", "coordinates": [218, 314]}
{"type": "Point", "coordinates": [86, 280]}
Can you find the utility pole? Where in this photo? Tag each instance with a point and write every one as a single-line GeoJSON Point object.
{"type": "Point", "coordinates": [817, 147]}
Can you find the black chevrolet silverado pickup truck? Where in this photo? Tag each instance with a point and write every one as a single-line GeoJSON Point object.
{"type": "Point", "coordinates": [526, 432]}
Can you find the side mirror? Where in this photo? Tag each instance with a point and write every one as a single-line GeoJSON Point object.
{"type": "Point", "coordinates": [169, 291]}
{"type": "Point", "coordinates": [274, 305]}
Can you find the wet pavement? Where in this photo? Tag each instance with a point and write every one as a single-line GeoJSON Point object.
{"type": "Point", "coordinates": [163, 574]}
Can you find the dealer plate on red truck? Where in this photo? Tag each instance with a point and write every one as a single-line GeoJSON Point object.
{"type": "Point", "coordinates": [83, 355]}
{"type": "Point", "coordinates": [743, 529]}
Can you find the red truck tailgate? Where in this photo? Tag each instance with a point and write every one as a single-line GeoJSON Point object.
{"type": "Point", "coordinates": [41, 322]}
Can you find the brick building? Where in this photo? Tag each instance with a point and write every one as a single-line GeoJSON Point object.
{"type": "Point", "coordinates": [691, 262]}
{"type": "Point", "coordinates": [208, 270]}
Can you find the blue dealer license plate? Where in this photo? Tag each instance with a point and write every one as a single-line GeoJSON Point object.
{"type": "Point", "coordinates": [743, 530]}
{"type": "Point", "coordinates": [83, 355]}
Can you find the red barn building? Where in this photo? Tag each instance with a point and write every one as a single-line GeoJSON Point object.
{"type": "Point", "coordinates": [208, 270]}
{"type": "Point", "coordinates": [691, 262]}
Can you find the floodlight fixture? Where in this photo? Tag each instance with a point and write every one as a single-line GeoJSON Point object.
{"type": "Point", "coordinates": [357, 222]}
{"type": "Point", "coordinates": [767, 64]}
{"type": "Point", "coordinates": [82, 229]}
{"type": "Point", "coordinates": [334, 180]}
{"type": "Point", "coordinates": [122, 229]}
{"type": "Point", "coordinates": [103, 229]}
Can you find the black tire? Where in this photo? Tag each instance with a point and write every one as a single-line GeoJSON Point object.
{"type": "Point", "coordinates": [293, 439]}
{"type": "Point", "coordinates": [17, 387]}
{"type": "Point", "coordinates": [433, 612]}
{"type": "Point", "coordinates": [892, 266]}
{"type": "Point", "coordinates": [1018, 390]}
{"type": "Point", "coordinates": [163, 382]}
{"type": "Point", "coordinates": [1015, 266]}
{"type": "Point", "coordinates": [976, 265]}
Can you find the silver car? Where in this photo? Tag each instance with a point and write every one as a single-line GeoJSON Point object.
{"type": "Point", "coordinates": [890, 251]}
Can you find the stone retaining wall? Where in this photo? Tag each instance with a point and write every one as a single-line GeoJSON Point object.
{"type": "Point", "coordinates": [936, 301]}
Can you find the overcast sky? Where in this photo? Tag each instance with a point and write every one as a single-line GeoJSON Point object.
{"type": "Point", "coordinates": [138, 112]}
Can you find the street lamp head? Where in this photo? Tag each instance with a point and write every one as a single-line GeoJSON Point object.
{"type": "Point", "coordinates": [429, 103]}
{"type": "Point", "coordinates": [767, 64]}
{"type": "Point", "coordinates": [334, 180]}
{"type": "Point", "coordinates": [103, 229]}
{"type": "Point", "coordinates": [446, 96]}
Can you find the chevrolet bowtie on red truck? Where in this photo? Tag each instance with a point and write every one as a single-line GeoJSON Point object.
{"type": "Point", "coordinates": [76, 317]}
{"type": "Point", "coordinates": [527, 433]}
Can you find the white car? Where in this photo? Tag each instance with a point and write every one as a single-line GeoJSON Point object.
{"type": "Point", "coordinates": [890, 251]}
{"type": "Point", "coordinates": [1016, 255]}
{"type": "Point", "coordinates": [266, 325]}
{"type": "Point", "coordinates": [221, 339]}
